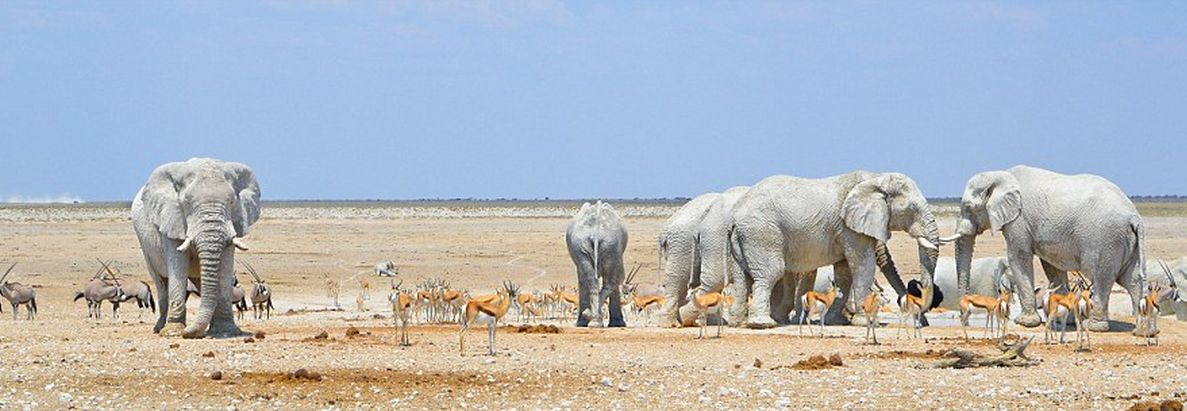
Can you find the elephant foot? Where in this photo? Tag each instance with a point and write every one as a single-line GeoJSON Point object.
{"type": "Point", "coordinates": [582, 322]}
{"type": "Point", "coordinates": [715, 320]}
{"type": "Point", "coordinates": [1095, 325]}
{"type": "Point", "coordinates": [617, 323]}
{"type": "Point", "coordinates": [1145, 332]}
{"type": "Point", "coordinates": [226, 330]}
{"type": "Point", "coordinates": [761, 322]}
{"type": "Point", "coordinates": [923, 321]}
{"type": "Point", "coordinates": [172, 330]}
{"type": "Point", "coordinates": [841, 319]}
{"type": "Point", "coordinates": [1029, 320]}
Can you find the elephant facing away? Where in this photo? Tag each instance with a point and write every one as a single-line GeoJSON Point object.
{"type": "Point", "coordinates": [793, 225]}
{"type": "Point", "coordinates": [596, 239]}
{"type": "Point", "coordinates": [712, 266]}
{"type": "Point", "coordinates": [1173, 299]}
{"type": "Point", "coordinates": [676, 252]}
{"type": "Point", "coordinates": [190, 217]}
{"type": "Point", "coordinates": [1079, 223]}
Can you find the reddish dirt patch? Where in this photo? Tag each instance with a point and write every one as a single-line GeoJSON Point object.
{"type": "Point", "coordinates": [538, 329]}
{"type": "Point", "coordinates": [819, 362]}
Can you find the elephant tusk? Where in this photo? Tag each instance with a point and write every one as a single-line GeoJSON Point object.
{"type": "Point", "coordinates": [923, 242]}
{"type": "Point", "coordinates": [950, 238]}
{"type": "Point", "coordinates": [185, 245]}
{"type": "Point", "coordinates": [238, 243]}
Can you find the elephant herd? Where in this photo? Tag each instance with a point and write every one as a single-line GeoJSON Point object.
{"type": "Point", "coordinates": [762, 245]}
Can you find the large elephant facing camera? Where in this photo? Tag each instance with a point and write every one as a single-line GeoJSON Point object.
{"type": "Point", "coordinates": [788, 224]}
{"type": "Point", "coordinates": [189, 218]}
{"type": "Point", "coordinates": [1079, 223]}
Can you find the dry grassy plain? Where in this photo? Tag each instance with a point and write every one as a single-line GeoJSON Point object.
{"type": "Point", "coordinates": [64, 360]}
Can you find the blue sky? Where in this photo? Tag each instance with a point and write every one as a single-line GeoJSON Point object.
{"type": "Point", "coordinates": [353, 100]}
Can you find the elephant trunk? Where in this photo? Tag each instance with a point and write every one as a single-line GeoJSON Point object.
{"type": "Point", "coordinates": [928, 255]}
{"type": "Point", "coordinates": [889, 270]}
{"type": "Point", "coordinates": [210, 240]}
{"type": "Point", "coordinates": [966, 239]}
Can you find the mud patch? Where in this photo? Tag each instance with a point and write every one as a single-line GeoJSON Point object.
{"type": "Point", "coordinates": [538, 329]}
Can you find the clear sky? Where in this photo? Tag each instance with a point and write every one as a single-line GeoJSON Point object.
{"type": "Point", "coordinates": [361, 100]}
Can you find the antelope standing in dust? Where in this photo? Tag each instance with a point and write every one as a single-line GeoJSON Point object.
{"type": "Point", "coordinates": [18, 294]}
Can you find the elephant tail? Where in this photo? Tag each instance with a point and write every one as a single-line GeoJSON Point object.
{"type": "Point", "coordinates": [597, 272]}
{"type": "Point", "coordinates": [662, 250]}
{"type": "Point", "coordinates": [734, 243]}
{"type": "Point", "coordinates": [1139, 231]}
{"type": "Point", "coordinates": [693, 278]}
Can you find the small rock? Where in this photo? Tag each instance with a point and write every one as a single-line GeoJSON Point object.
{"type": "Point", "coordinates": [835, 360]}
{"type": "Point", "coordinates": [322, 336]}
{"type": "Point", "coordinates": [757, 363]}
{"type": "Point", "coordinates": [352, 332]}
{"type": "Point", "coordinates": [607, 382]}
{"type": "Point", "coordinates": [249, 340]}
{"type": "Point", "coordinates": [217, 375]}
{"type": "Point", "coordinates": [259, 335]}
{"type": "Point", "coordinates": [208, 354]}
{"type": "Point", "coordinates": [174, 345]}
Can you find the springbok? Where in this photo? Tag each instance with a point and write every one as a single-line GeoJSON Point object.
{"type": "Point", "coordinates": [478, 312]}
{"type": "Point", "coordinates": [261, 294]}
{"type": "Point", "coordinates": [870, 308]}
{"type": "Point", "coordinates": [818, 303]}
{"type": "Point", "coordinates": [707, 303]}
{"type": "Point", "coordinates": [401, 310]}
{"type": "Point", "coordinates": [333, 288]}
{"type": "Point", "coordinates": [18, 294]}
{"type": "Point", "coordinates": [970, 301]}
{"type": "Point", "coordinates": [644, 304]}
{"type": "Point", "coordinates": [1076, 302]}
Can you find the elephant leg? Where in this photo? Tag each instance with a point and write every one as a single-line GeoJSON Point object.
{"type": "Point", "coordinates": [1022, 268]}
{"type": "Point", "coordinates": [738, 311]}
{"type": "Point", "coordinates": [807, 281]}
{"type": "Point", "coordinates": [676, 279]}
{"type": "Point", "coordinates": [587, 283]}
{"type": "Point", "coordinates": [158, 270]}
{"type": "Point", "coordinates": [1129, 281]}
{"type": "Point", "coordinates": [1098, 319]}
{"type": "Point", "coordinates": [782, 298]}
{"type": "Point", "coordinates": [614, 288]}
{"type": "Point", "coordinates": [177, 264]}
{"type": "Point", "coordinates": [766, 274]}
{"type": "Point", "coordinates": [837, 313]}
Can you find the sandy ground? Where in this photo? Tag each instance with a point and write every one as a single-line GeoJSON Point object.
{"type": "Point", "coordinates": [64, 360]}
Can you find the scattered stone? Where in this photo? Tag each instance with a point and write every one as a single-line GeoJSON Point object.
{"type": "Point", "coordinates": [757, 363]}
{"type": "Point", "coordinates": [322, 336]}
{"type": "Point", "coordinates": [249, 340]}
{"type": "Point", "coordinates": [208, 354]}
{"type": "Point", "coordinates": [352, 332]}
{"type": "Point", "coordinates": [259, 335]}
{"type": "Point", "coordinates": [303, 374]}
{"type": "Point", "coordinates": [538, 329]}
{"type": "Point", "coordinates": [217, 375]}
{"type": "Point", "coordinates": [174, 345]}
{"type": "Point", "coordinates": [835, 360]}
{"type": "Point", "coordinates": [607, 382]}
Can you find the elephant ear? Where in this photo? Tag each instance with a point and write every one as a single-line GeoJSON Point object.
{"type": "Point", "coordinates": [867, 210]}
{"type": "Point", "coordinates": [248, 190]}
{"type": "Point", "coordinates": [1005, 201]}
{"type": "Point", "coordinates": [162, 200]}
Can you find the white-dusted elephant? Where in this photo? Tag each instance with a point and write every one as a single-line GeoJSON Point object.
{"type": "Point", "coordinates": [1079, 223]}
{"type": "Point", "coordinates": [712, 262]}
{"type": "Point", "coordinates": [189, 218]}
{"type": "Point", "coordinates": [1167, 273]}
{"type": "Point", "coordinates": [789, 224]}
{"type": "Point", "coordinates": [596, 239]}
{"type": "Point", "coordinates": [675, 252]}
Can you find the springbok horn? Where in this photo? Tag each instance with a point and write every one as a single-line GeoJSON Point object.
{"type": "Point", "coordinates": [923, 242]}
{"type": "Point", "coordinates": [2, 278]}
{"type": "Point", "coordinates": [238, 243]}
{"type": "Point", "coordinates": [949, 239]}
{"type": "Point", "coordinates": [185, 245]}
